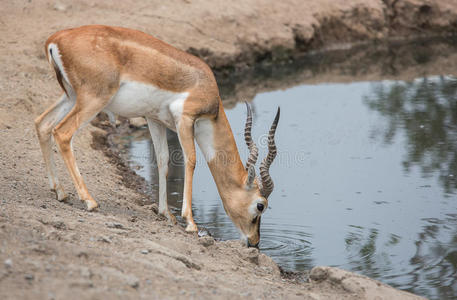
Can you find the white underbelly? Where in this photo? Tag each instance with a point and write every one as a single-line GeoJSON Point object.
{"type": "Point", "coordinates": [135, 99]}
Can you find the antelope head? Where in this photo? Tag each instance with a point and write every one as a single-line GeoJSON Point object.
{"type": "Point", "coordinates": [256, 189]}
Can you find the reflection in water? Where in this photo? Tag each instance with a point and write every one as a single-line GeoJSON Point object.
{"type": "Point", "coordinates": [436, 257]}
{"type": "Point", "coordinates": [426, 110]}
{"type": "Point", "coordinates": [142, 159]}
{"type": "Point", "coordinates": [362, 254]}
{"type": "Point", "coordinates": [433, 271]}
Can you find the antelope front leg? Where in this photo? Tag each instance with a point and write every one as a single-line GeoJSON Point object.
{"type": "Point", "coordinates": [186, 139]}
{"type": "Point", "coordinates": [159, 139]}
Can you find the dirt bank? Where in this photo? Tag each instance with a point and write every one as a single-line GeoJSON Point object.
{"type": "Point", "coordinates": [58, 250]}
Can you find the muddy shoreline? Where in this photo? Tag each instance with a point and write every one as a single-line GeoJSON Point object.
{"type": "Point", "coordinates": [53, 250]}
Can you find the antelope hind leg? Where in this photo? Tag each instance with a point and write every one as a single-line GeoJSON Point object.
{"type": "Point", "coordinates": [44, 124]}
{"type": "Point", "coordinates": [87, 107]}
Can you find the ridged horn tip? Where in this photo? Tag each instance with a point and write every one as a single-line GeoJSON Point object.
{"type": "Point", "coordinates": [253, 151]}
{"type": "Point", "coordinates": [267, 183]}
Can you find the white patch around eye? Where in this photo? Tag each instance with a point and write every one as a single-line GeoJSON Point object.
{"type": "Point", "coordinates": [253, 207]}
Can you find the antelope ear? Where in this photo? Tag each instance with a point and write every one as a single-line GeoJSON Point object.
{"type": "Point", "coordinates": [251, 177]}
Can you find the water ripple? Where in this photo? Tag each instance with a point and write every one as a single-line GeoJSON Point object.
{"type": "Point", "coordinates": [289, 245]}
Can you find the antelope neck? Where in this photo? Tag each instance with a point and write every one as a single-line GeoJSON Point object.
{"type": "Point", "coordinates": [222, 155]}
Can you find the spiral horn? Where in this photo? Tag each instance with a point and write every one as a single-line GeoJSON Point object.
{"type": "Point", "coordinates": [253, 151]}
{"type": "Point", "coordinates": [267, 183]}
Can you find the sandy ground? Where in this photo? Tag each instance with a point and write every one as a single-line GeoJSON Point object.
{"type": "Point", "coordinates": [53, 250]}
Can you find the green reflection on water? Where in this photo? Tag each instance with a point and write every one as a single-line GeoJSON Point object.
{"type": "Point", "coordinates": [426, 109]}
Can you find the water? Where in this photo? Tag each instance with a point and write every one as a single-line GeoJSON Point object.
{"type": "Point", "coordinates": [365, 179]}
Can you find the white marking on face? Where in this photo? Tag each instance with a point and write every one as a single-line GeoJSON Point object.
{"type": "Point", "coordinates": [136, 99]}
{"type": "Point", "coordinates": [205, 138]}
{"type": "Point", "coordinates": [57, 59]}
{"type": "Point", "coordinates": [253, 207]}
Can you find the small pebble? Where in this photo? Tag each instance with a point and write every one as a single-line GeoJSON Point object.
{"type": "Point", "coordinates": [114, 225]}
{"type": "Point", "coordinates": [59, 225]}
{"type": "Point", "coordinates": [86, 272]}
{"type": "Point", "coordinates": [203, 232]}
{"type": "Point", "coordinates": [206, 241]}
{"type": "Point", "coordinates": [8, 263]}
{"type": "Point", "coordinates": [133, 282]}
{"type": "Point", "coordinates": [60, 7]}
{"type": "Point", "coordinates": [82, 254]}
{"type": "Point", "coordinates": [29, 277]}
{"type": "Point", "coordinates": [104, 239]}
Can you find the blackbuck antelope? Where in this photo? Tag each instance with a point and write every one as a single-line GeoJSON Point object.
{"type": "Point", "coordinates": [132, 74]}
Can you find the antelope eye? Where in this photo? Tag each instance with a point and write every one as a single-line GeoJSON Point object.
{"type": "Point", "coordinates": [260, 207]}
